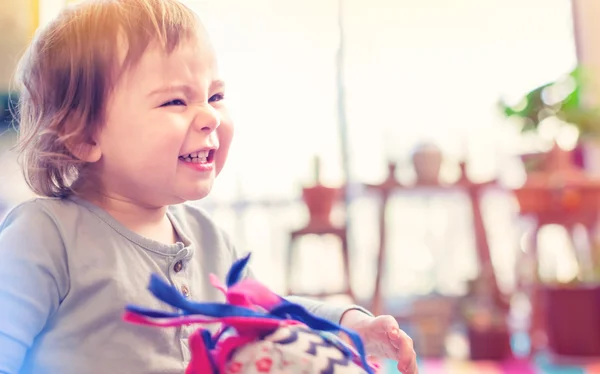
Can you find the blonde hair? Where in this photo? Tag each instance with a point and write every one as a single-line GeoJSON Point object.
{"type": "Point", "coordinates": [68, 71]}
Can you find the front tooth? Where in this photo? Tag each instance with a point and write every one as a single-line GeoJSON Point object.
{"type": "Point", "coordinates": [203, 154]}
{"type": "Point", "coordinates": [195, 160]}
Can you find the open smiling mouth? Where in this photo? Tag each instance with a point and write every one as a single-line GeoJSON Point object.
{"type": "Point", "coordinates": [200, 157]}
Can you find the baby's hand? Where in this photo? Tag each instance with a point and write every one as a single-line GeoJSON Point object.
{"type": "Point", "coordinates": [383, 338]}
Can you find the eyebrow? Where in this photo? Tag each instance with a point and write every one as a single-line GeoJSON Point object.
{"type": "Point", "coordinates": [187, 89]}
{"type": "Point", "coordinates": [217, 84]}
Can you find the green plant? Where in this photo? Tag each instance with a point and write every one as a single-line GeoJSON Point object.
{"type": "Point", "coordinates": [562, 99]}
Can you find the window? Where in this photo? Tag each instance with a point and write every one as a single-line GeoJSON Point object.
{"type": "Point", "coordinates": [414, 70]}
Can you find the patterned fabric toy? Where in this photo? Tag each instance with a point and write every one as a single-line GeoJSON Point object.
{"type": "Point", "coordinates": [260, 332]}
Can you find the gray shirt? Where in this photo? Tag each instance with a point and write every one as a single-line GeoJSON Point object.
{"type": "Point", "coordinates": [67, 270]}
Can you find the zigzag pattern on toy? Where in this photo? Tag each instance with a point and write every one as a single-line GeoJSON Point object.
{"type": "Point", "coordinates": [252, 311]}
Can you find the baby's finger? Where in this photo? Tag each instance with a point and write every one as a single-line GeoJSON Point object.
{"type": "Point", "coordinates": [395, 337]}
{"type": "Point", "coordinates": [410, 368]}
{"type": "Point", "coordinates": [407, 357]}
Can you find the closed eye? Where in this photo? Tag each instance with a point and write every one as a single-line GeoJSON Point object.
{"type": "Point", "coordinates": [216, 97]}
{"type": "Point", "coordinates": [177, 102]}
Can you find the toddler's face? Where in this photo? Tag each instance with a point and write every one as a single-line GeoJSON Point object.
{"type": "Point", "coordinates": [167, 132]}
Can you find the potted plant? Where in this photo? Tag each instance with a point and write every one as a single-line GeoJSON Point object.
{"type": "Point", "coordinates": [486, 322]}
{"type": "Point", "coordinates": [427, 161]}
{"type": "Point", "coordinates": [567, 313]}
{"type": "Point", "coordinates": [319, 199]}
{"type": "Point", "coordinates": [431, 318]}
{"type": "Point", "coordinates": [572, 314]}
{"type": "Point", "coordinates": [564, 101]}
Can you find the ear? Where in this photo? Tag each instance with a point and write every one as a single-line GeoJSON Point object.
{"type": "Point", "coordinates": [87, 151]}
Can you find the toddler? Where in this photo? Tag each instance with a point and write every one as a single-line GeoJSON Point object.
{"type": "Point", "coordinates": [122, 121]}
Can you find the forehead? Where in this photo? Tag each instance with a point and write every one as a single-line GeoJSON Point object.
{"type": "Point", "coordinates": [193, 61]}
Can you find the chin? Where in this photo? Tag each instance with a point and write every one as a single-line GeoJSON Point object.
{"type": "Point", "coordinates": [195, 194]}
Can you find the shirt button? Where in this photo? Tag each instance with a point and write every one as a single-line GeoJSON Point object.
{"type": "Point", "coordinates": [185, 291]}
{"type": "Point", "coordinates": [178, 266]}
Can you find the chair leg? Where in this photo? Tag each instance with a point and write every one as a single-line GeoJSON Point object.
{"type": "Point", "coordinates": [347, 274]}
{"type": "Point", "coordinates": [289, 265]}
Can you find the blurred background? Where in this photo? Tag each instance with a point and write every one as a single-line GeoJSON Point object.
{"type": "Point", "coordinates": [446, 151]}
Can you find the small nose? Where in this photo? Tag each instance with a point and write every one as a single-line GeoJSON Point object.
{"type": "Point", "coordinates": [207, 119]}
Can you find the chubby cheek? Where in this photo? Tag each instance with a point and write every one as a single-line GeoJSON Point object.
{"type": "Point", "coordinates": [225, 134]}
{"type": "Point", "coordinates": [155, 158]}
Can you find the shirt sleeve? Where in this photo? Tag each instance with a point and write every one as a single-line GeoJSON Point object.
{"type": "Point", "coordinates": [331, 312]}
{"type": "Point", "coordinates": [328, 311]}
{"type": "Point", "coordinates": [33, 280]}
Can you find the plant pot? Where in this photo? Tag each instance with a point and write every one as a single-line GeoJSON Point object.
{"type": "Point", "coordinates": [572, 316]}
{"type": "Point", "coordinates": [530, 200]}
{"type": "Point", "coordinates": [544, 201]}
{"type": "Point", "coordinates": [427, 162]}
{"type": "Point", "coordinates": [319, 201]}
{"type": "Point", "coordinates": [430, 337]}
{"type": "Point", "coordinates": [489, 344]}
{"type": "Point", "coordinates": [431, 318]}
